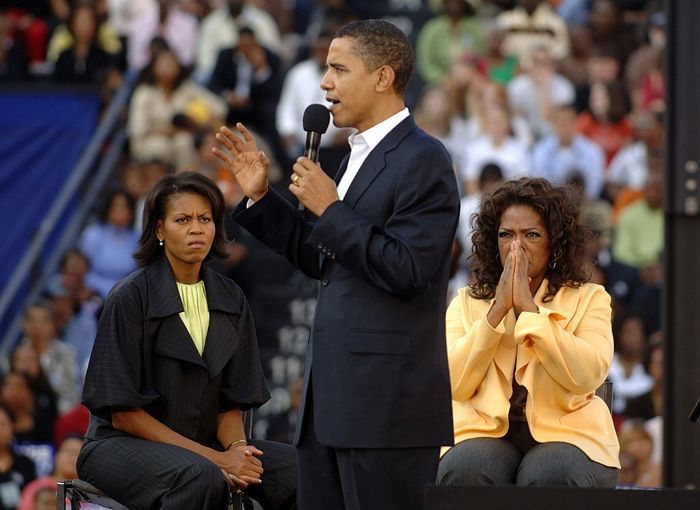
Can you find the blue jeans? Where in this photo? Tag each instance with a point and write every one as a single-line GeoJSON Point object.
{"type": "Point", "coordinates": [517, 459]}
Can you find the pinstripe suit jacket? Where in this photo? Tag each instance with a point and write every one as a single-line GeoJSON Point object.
{"type": "Point", "coordinates": [144, 356]}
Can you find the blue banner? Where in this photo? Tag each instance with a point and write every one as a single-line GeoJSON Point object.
{"type": "Point", "coordinates": [42, 135]}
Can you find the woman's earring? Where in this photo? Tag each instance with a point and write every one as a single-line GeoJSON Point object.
{"type": "Point", "coordinates": [160, 241]}
{"type": "Point", "coordinates": [552, 264]}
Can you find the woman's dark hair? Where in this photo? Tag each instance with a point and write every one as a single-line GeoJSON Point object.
{"type": "Point", "coordinates": [156, 205]}
{"type": "Point", "coordinates": [380, 43]}
{"type": "Point", "coordinates": [560, 215]}
{"type": "Point", "coordinates": [147, 75]}
{"type": "Point", "coordinates": [618, 101]}
{"type": "Point", "coordinates": [111, 197]}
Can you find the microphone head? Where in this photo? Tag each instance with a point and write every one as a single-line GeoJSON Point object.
{"type": "Point", "coordinates": [316, 118]}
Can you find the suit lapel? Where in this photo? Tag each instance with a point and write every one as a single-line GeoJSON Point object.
{"type": "Point", "coordinates": [376, 161]}
{"type": "Point", "coordinates": [341, 169]}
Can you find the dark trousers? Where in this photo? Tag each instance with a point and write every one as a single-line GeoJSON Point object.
{"type": "Point", "coordinates": [143, 474]}
{"type": "Point", "coordinates": [361, 478]}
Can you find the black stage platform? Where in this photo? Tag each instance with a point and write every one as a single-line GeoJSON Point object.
{"type": "Point", "coordinates": [558, 498]}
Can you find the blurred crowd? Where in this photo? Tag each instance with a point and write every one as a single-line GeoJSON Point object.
{"type": "Point", "coordinates": [570, 90]}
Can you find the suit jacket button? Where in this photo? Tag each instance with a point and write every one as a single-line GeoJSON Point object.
{"type": "Point", "coordinates": [324, 281]}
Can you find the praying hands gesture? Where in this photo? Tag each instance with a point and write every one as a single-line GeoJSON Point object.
{"type": "Point", "coordinates": [513, 289]}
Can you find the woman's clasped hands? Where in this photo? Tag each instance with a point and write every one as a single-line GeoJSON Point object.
{"type": "Point", "coordinates": [514, 286]}
{"type": "Point", "coordinates": [241, 465]}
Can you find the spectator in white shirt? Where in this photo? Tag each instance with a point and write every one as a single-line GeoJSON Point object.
{"type": "Point", "coordinates": [563, 152]}
{"type": "Point", "coordinates": [498, 145]}
{"type": "Point", "coordinates": [535, 93]}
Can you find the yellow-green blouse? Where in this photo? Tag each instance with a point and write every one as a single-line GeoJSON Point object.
{"type": "Point", "coordinates": [196, 314]}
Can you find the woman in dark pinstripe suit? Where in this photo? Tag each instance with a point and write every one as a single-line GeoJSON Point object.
{"type": "Point", "coordinates": [175, 362]}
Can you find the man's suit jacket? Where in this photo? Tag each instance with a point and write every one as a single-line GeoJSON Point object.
{"type": "Point", "coordinates": [378, 361]}
{"type": "Point", "coordinates": [263, 94]}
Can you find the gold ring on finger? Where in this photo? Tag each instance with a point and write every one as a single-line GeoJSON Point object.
{"type": "Point", "coordinates": [295, 179]}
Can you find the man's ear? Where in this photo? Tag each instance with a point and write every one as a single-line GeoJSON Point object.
{"type": "Point", "coordinates": [385, 79]}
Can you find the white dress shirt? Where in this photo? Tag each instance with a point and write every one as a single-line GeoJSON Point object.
{"type": "Point", "coordinates": [361, 144]}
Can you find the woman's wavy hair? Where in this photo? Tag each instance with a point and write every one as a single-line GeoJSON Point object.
{"type": "Point", "coordinates": [155, 209]}
{"type": "Point", "coordinates": [567, 236]}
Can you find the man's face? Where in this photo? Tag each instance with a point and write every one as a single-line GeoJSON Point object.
{"type": "Point", "coordinates": [349, 86]}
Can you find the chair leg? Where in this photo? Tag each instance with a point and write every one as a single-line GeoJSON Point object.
{"type": "Point", "coordinates": [61, 494]}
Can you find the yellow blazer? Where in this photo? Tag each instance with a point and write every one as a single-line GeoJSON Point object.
{"type": "Point", "coordinates": [561, 355]}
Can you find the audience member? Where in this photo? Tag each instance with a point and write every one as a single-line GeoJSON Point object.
{"type": "Point", "coordinates": [633, 163]}
{"type": "Point", "coordinates": [608, 26]}
{"type": "Point", "coordinates": [627, 372]}
{"type": "Point", "coordinates": [64, 469]}
{"type": "Point", "coordinates": [249, 77]}
{"type": "Point", "coordinates": [538, 91]}
{"type": "Point", "coordinates": [83, 60]}
{"type": "Point", "coordinates": [76, 326]}
{"type": "Point", "coordinates": [17, 394]}
{"type": "Point", "coordinates": [574, 67]}
{"type": "Point", "coordinates": [56, 357]}
{"type": "Point", "coordinates": [72, 275]}
{"type": "Point", "coordinates": [437, 115]}
{"type": "Point", "coordinates": [443, 39]}
{"type": "Point", "coordinates": [636, 441]}
{"type": "Point", "coordinates": [165, 111]}
{"type": "Point", "coordinates": [109, 242]}
{"type": "Point", "coordinates": [558, 155]}
{"type": "Point", "coordinates": [14, 64]}
{"type": "Point", "coordinates": [162, 18]}
{"type": "Point", "coordinates": [639, 233]}
{"type": "Point", "coordinates": [16, 470]}
{"type": "Point", "coordinates": [488, 95]}
{"type": "Point", "coordinates": [530, 26]}
{"type": "Point", "coordinates": [496, 145]}
{"type": "Point", "coordinates": [105, 35]}
{"type": "Point", "coordinates": [296, 95]}
{"type": "Point", "coordinates": [220, 30]}
{"type": "Point", "coordinates": [25, 359]}
{"type": "Point", "coordinates": [502, 67]}
{"type": "Point", "coordinates": [605, 121]}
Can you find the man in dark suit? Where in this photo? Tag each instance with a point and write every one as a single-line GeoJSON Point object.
{"type": "Point", "coordinates": [376, 403]}
{"type": "Point", "coordinates": [249, 77]}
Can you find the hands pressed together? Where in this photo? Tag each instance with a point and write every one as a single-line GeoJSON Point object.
{"type": "Point", "coordinates": [249, 165]}
{"type": "Point", "coordinates": [513, 289]}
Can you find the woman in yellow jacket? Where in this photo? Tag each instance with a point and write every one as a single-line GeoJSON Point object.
{"type": "Point", "coordinates": [528, 344]}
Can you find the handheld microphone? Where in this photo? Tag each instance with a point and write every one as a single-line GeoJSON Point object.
{"type": "Point", "coordinates": [316, 119]}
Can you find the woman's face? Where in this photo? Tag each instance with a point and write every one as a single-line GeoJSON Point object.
{"type": "Point", "coordinates": [599, 100]}
{"type": "Point", "coordinates": [39, 324]}
{"type": "Point", "coordinates": [67, 457]}
{"type": "Point", "coordinates": [188, 229]}
{"type": "Point", "coordinates": [84, 24]}
{"type": "Point", "coordinates": [26, 360]}
{"type": "Point", "coordinates": [16, 393]}
{"type": "Point", "coordinates": [120, 213]}
{"type": "Point", "coordinates": [166, 68]}
{"type": "Point", "coordinates": [525, 224]}
{"type": "Point", "coordinates": [632, 337]}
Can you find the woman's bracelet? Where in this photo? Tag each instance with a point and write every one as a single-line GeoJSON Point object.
{"type": "Point", "coordinates": [237, 442]}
